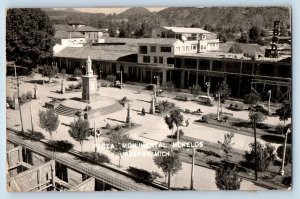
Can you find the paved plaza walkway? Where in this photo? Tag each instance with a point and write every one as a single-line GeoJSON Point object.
{"type": "Point", "coordinates": [153, 129]}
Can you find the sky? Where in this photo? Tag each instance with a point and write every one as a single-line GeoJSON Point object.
{"type": "Point", "coordinates": [117, 10]}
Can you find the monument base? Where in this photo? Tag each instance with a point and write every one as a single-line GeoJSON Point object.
{"type": "Point", "coordinates": [89, 87]}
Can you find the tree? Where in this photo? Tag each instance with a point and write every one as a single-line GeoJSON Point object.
{"type": "Point", "coordinates": [63, 72]}
{"type": "Point", "coordinates": [169, 122]}
{"type": "Point", "coordinates": [235, 48]}
{"type": "Point", "coordinates": [50, 71]}
{"type": "Point", "coordinates": [117, 141]}
{"type": "Point", "coordinates": [222, 37]}
{"type": "Point", "coordinates": [174, 118]}
{"type": "Point", "coordinates": [252, 98]}
{"type": "Point", "coordinates": [221, 95]}
{"type": "Point", "coordinates": [169, 164]}
{"type": "Point", "coordinates": [264, 156]}
{"type": "Point", "coordinates": [80, 130]}
{"type": "Point", "coordinates": [254, 34]}
{"type": "Point", "coordinates": [196, 89]}
{"type": "Point", "coordinates": [170, 86]}
{"type": "Point", "coordinates": [77, 72]}
{"type": "Point", "coordinates": [288, 155]}
{"type": "Point", "coordinates": [227, 144]}
{"type": "Point", "coordinates": [285, 112]}
{"type": "Point", "coordinates": [48, 120]}
{"type": "Point", "coordinates": [29, 36]}
{"type": "Point", "coordinates": [227, 179]}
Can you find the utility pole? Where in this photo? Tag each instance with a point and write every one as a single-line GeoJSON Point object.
{"type": "Point", "coordinates": [18, 86]}
{"type": "Point", "coordinates": [32, 129]}
{"type": "Point", "coordinates": [255, 148]}
{"type": "Point", "coordinates": [192, 172]}
{"type": "Point", "coordinates": [120, 71]}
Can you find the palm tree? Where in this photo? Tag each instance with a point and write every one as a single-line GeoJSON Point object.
{"type": "Point", "coordinates": [255, 117]}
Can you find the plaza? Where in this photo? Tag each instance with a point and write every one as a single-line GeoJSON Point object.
{"type": "Point", "coordinates": [146, 132]}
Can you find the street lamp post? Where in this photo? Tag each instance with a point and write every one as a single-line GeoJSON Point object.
{"type": "Point", "coordinates": [269, 109]}
{"type": "Point", "coordinates": [121, 78]}
{"type": "Point", "coordinates": [32, 128]}
{"type": "Point", "coordinates": [218, 108]}
{"type": "Point", "coordinates": [284, 152]}
{"type": "Point", "coordinates": [18, 87]}
{"type": "Point", "coordinates": [208, 87]}
{"type": "Point", "coordinates": [192, 172]}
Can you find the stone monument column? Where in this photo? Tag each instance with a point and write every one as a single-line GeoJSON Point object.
{"type": "Point", "coordinates": [35, 91]}
{"type": "Point", "coordinates": [152, 106]}
{"type": "Point", "coordinates": [128, 118]}
{"type": "Point", "coordinates": [63, 89]}
{"type": "Point", "coordinates": [89, 83]}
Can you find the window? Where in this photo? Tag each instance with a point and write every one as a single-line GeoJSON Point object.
{"type": "Point", "coordinates": [161, 60]}
{"type": "Point", "coordinates": [165, 49]}
{"type": "Point", "coordinates": [143, 49]}
{"type": "Point", "coordinates": [194, 47]}
{"type": "Point", "coordinates": [201, 47]}
{"type": "Point", "coordinates": [183, 48]}
{"type": "Point", "coordinates": [155, 59]}
{"type": "Point", "coordinates": [153, 49]}
{"type": "Point", "coordinates": [146, 59]}
{"type": "Point", "coordinates": [178, 49]}
{"type": "Point", "coordinates": [205, 47]}
{"type": "Point", "coordinates": [187, 48]}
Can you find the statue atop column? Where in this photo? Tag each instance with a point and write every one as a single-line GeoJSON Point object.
{"type": "Point", "coordinates": [88, 66]}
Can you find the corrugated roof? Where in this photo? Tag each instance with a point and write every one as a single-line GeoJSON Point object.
{"type": "Point", "coordinates": [67, 35]}
{"type": "Point", "coordinates": [109, 53]}
{"type": "Point", "coordinates": [87, 29]}
{"type": "Point", "coordinates": [168, 41]}
{"type": "Point", "coordinates": [187, 30]}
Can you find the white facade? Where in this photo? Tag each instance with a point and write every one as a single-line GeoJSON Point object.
{"type": "Point", "coordinates": [73, 42]}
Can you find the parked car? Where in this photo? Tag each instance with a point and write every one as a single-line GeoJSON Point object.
{"type": "Point", "coordinates": [181, 98]}
{"type": "Point", "coordinates": [258, 108]}
{"type": "Point", "coordinates": [152, 87]}
{"type": "Point", "coordinates": [203, 99]}
{"type": "Point", "coordinates": [117, 84]}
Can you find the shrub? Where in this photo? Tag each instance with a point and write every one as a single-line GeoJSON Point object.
{"type": "Point", "coordinates": [287, 180]}
{"type": "Point", "coordinates": [10, 101]}
{"type": "Point", "coordinates": [118, 128]}
{"type": "Point", "coordinates": [77, 72]}
{"type": "Point", "coordinates": [225, 118]}
{"type": "Point", "coordinates": [23, 98]}
{"type": "Point", "coordinates": [205, 118]}
{"type": "Point", "coordinates": [78, 86]}
{"type": "Point", "coordinates": [29, 95]}
{"type": "Point", "coordinates": [280, 129]}
{"type": "Point", "coordinates": [107, 126]}
{"type": "Point", "coordinates": [227, 179]}
{"type": "Point", "coordinates": [143, 174]}
{"type": "Point", "coordinates": [252, 98]}
{"type": "Point", "coordinates": [102, 158]}
{"type": "Point", "coordinates": [72, 86]}
{"type": "Point", "coordinates": [265, 156]}
{"type": "Point", "coordinates": [288, 154]}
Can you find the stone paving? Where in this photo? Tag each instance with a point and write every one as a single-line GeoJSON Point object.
{"type": "Point", "coordinates": [153, 128]}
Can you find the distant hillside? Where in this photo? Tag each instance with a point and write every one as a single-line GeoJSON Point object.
{"type": "Point", "coordinates": [244, 17]}
{"type": "Point", "coordinates": [227, 20]}
{"type": "Point", "coordinates": [135, 11]}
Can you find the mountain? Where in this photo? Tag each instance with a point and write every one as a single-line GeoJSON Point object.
{"type": "Point", "coordinates": [244, 17]}
{"type": "Point", "coordinates": [135, 11]}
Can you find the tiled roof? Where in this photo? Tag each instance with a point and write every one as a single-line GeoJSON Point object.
{"type": "Point", "coordinates": [62, 27]}
{"type": "Point", "coordinates": [110, 52]}
{"type": "Point", "coordinates": [187, 30]}
{"type": "Point", "coordinates": [67, 35]}
{"type": "Point", "coordinates": [87, 29]}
